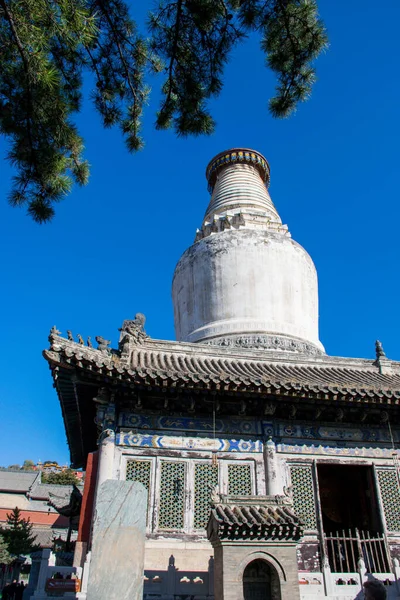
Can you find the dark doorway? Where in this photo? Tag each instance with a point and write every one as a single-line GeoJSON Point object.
{"type": "Point", "coordinates": [348, 498]}
{"type": "Point", "coordinates": [257, 581]}
{"type": "Point", "coordinates": [351, 523]}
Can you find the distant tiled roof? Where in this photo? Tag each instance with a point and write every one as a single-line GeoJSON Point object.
{"type": "Point", "coordinates": [254, 519]}
{"type": "Point", "coordinates": [45, 537]}
{"type": "Point", "coordinates": [39, 505]}
{"type": "Point", "coordinates": [42, 491]}
{"type": "Point", "coordinates": [67, 504]}
{"type": "Point", "coordinates": [17, 481]}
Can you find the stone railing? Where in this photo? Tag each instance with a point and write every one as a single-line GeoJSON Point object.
{"type": "Point", "coordinates": [48, 579]}
{"type": "Point", "coordinates": [346, 586]}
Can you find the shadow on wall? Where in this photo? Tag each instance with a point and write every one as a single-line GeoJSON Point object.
{"type": "Point", "coordinates": [182, 585]}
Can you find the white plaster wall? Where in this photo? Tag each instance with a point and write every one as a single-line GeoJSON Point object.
{"type": "Point", "coordinates": [241, 281]}
{"type": "Point", "coordinates": [189, 556]}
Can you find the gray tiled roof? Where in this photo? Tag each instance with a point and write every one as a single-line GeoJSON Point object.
{"type": "Point", "coordinates": [42, 490]}
{"type": "Point", "coordinates": [258, 520]}
{"type": "Point", "coordinates": [162, 363]}
{"type": "Point", "coordinates": [17, 481]}
{"type": "Point", "coordinates": [40, 505]}
{"type": "Point", "coordinates": [45, 536]}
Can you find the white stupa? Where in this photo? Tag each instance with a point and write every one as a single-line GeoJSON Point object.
{"type": "Point", "coordinates": [245, 282]}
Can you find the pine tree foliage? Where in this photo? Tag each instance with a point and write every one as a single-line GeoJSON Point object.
{"type": "Point", "coordinates": [18, 534]}
{"type": "Point", "coordinates": [194, 38]}
{"type": "Point", "coordinates": [292, 38]}
{"type": "Point", "coordinates": [48, 46]}
{"type": "Point", "coordinates": [5, 557]}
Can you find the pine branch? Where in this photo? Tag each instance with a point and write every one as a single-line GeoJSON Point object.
{"type": "Point", "coordinates": [25, 62]}
{"type": "Point", "coordinates": [45, 47]}
{"type": "Point", "coordinates": [174, 51]}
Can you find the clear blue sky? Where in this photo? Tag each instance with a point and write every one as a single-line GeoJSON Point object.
{"type": "Point", "coordinates": [112, 247]}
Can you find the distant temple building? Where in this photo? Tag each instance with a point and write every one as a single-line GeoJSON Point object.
{"type": "Point", "coordinates": [39, 503]}
{"type": "Point", "coordinates": [271, 467]}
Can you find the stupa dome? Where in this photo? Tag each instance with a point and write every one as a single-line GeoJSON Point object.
{"type": "Point", "coordinates": [245, 282]}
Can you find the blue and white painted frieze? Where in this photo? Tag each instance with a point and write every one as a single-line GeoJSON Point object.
{"type": "Point", "coordinates": [241, 426]}
{"type": "Point", "coordinates": [187, 443]}
{"type": "Point", "coordinates": [311, 449]}
{"type": "Point", "coordinates": [335, 433]}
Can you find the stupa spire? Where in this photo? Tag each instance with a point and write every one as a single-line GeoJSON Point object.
{"type": "Point", "coordinates": [238, 181]}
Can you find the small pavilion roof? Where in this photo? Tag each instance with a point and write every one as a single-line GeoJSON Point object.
{"type": "Point", "coordinates": [255, 517]}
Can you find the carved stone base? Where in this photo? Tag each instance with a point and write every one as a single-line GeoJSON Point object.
{"type": "Point", "coordinates": [266, 342]}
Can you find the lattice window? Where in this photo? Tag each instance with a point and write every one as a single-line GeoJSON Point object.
{"type": "Point", "coordinates": [303, 496]}
{"type": "Point", "coordinates": [172, 490]}
{"type": "Point", "coordinates": [205, 479]}
{"type": "Point", "coordinates": [139, 470]}
{"type": "Point", "coordinates": [389, 488]}
{"type": "Point", "coordinates": [239, 480]}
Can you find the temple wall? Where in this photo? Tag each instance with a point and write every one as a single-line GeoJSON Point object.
{"type": "Point", "coordinates": [176, 467]}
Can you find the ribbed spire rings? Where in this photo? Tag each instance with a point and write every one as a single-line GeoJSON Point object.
{"type": "Point", "coordinates": [237, 155]}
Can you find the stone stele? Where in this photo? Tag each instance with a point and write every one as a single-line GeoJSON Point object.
{"type": "Point", "coordinates": [116, 569]}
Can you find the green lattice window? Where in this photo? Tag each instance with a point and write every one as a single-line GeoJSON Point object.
{"type": "Point", "coordinates": [172, 491]}
{"type": "Point", "coordinates": [303, 496]}
{"type": "Point", "coordinates": [389, 488]}
{"type": "Point", "coordinates": [205, 480]}
{"type": "Point", "coordinates": [139, 470]}
{"type": "Point", "coordinates": [239, 480]}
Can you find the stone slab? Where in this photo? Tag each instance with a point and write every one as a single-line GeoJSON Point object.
{"type": "Point", "coordinates": [116, 569]}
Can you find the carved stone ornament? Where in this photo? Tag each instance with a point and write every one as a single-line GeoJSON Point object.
{"type": "Point", "coordinates": [103, 344]}
{"type": "Point", "coordinates": [285, 500]}
{"type": "Point", "coordinates": [288, 492]}
{"type": "Point", "coordinates": [380, 353]}
{"type": "Point", "coordinates": [124, 344]}
{"type": "Point", "coordinates": [382, 362]}
{"type": "Point", "coordinates": [240, 219]}
{"type": "Point", "coordinates": [215, 496]}
{"type": "Point", "coordinates": [266, 342]}
{"type": "Point", "coordinates": [54, 331]}
{"type": "Point", "coordinates": [132, 333]}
